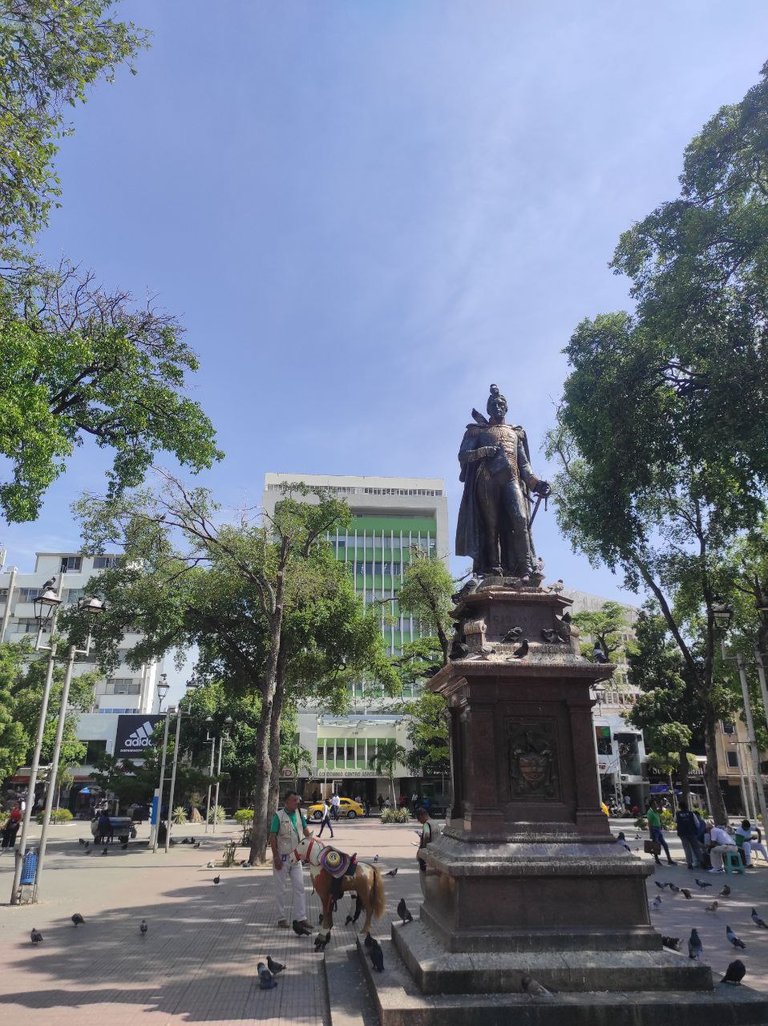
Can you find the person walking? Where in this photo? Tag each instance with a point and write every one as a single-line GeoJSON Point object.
{"type": "Point", "coordinates": [286, 831]}
{"type": "Point", "coordinates": [325, 820]}
{"type": "Point", "coordinates": [688, 832]}
{"type": "Point", "coordinates": [654, 829]}
{"type": "Point", "coordinates": [335, 806]}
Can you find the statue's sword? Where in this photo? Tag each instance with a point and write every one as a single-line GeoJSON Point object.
{"type": "Point", "coordinates": [536, 508]}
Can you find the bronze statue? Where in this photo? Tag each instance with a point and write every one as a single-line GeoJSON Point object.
{"type": "Point", "coordinates": [494, 525]}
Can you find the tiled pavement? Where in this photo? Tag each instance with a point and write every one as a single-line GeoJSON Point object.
{"type": "Point", "coordinates": [198, 961]}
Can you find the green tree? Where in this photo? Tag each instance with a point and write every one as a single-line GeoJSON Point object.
{"type": "Point", "coordinates": [662, 433]}
{"type": "Point", "coordinates": [426, 594]}
{"type": "Point", "coordinates": [388, 755]}
{"type": "Point", "coordinates": [14, 740]}
{"type": "Point", "coordinates": [605, 627]}
{"type": "Point", "coordinates": [51, 51]}
{"type": "Point", "coordinates": [78, 363]}
{"type": "Point", "coordinates": [427, 731]}
{"type": "Point", "coordinates": [270, 609]}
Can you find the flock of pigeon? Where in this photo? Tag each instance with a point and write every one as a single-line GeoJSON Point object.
{"type": "Point", "coordinates": [736, 970]}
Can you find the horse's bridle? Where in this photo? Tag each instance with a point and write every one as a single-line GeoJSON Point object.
{"type": "Point", "coordinates": [312, 840]}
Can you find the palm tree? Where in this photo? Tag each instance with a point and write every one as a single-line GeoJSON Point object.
{"type": "Point", "coordinates": [388, 755]}
{"type": "Point", "coordinates": [293, 756]}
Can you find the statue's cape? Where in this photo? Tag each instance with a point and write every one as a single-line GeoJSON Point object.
{"type": "Point", "coordinates": [468, 526]}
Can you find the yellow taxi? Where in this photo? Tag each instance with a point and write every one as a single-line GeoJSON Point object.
{"type": "Point", "coordinates": [348, 807]}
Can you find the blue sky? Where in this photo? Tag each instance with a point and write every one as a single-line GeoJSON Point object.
{"type": "Point", "coordinates": [363, 213]}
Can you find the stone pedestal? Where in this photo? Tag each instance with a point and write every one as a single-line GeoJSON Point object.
{"type": "Point", "coordinates": [526, 878]}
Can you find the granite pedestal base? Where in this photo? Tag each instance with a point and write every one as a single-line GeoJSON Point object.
{"type": "Point", "coordinates": [399, 1001]}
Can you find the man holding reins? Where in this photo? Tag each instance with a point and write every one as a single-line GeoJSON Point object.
{"type": "Point", "coordinates": [287, 829]}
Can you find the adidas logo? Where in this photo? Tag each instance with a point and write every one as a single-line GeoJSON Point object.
{"type": "Point", "coordinates": [141, 737]}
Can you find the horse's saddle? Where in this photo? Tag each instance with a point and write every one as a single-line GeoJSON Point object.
{"type": "Point", "coordinates": [337, 863]}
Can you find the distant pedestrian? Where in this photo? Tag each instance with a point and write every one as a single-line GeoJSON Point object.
{"type": "Point", "coordinates": [335, 806]}
{"type": "Point", "coordinates": [325, 820]}
{"type": "Point", "coordinates": [380, 802]}
{"type": "Point", "coordinates": [743, 839]}
{"type": "Point", "coordinates": [367, 805]}
{"type": "Point", "coordinates": [654, 829]}
{"type": "Point", "coordinates": [11, 827]}
{"type": "Point", "coordinates": [104, 832]}
{"type": "Point", "coordinates": [688, 832]}
{"type": "Point", "coordinates": [422, 815]}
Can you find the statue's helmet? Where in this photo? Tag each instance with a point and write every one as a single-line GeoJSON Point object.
{"type": "Point", "coordinates": [495, 401]}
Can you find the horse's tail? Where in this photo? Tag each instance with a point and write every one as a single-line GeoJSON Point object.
{"type": "Point", "coordinates": [378, 898]}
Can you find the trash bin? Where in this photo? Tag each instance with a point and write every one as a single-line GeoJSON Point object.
{"type": "Point", "coordinates": [29, 868]}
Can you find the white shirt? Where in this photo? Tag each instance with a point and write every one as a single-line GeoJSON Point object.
{"type": "Point", "coordinates": [336, 801]}
{"type": "Point", "coordinates": [719, 836]}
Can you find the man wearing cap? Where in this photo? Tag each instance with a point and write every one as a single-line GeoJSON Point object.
{"type": "Point", "coordinates": [287, 829]}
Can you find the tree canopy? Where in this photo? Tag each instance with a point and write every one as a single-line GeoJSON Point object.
{"type": "Point", "coordinates": [51, 51]}
{"type": "Point", "coordinates": [79, 363]}
{"type": "Point", "coordinates": [662, 433]}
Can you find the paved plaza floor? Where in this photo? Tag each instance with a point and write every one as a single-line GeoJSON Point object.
{"type": "Point", "coordinates": [197, 963]}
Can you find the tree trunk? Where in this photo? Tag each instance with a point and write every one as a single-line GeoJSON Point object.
{"type": "Point", "coordinates": [685, 784]}
{"type": "Point", "coordinates": [710, 770]}
{"type": "Point", "coordinates": [392, 788]}
{"type": "Point", "coordinates": [262, 790]}
{"type": "Point", "coordinates": [274, 740]}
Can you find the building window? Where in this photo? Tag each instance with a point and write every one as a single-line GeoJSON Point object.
{"type": "Point", "coordinates": [104, 562]}
{"type": "Point", "coordinates": [728, 728]}
{"type": "Point", "coordinates": [71, 564]}
{"type": "Point", "coordinates": [94, 750]}
{"type": "Point", "coordinates": [733, 759]}
{"type": "Point", "coordinates": [123, 686]}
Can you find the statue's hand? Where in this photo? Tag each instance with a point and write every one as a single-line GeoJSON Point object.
{"type": "Point", "coordinates": [487, 450]}
{"type": "Point", "coordinates": [544, 489]}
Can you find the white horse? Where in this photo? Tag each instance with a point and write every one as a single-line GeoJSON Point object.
{"type": "Point", "coordinates": [367, 884]}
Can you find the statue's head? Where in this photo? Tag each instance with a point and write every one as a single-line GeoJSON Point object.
{"type": "Point", "coordinates": [496, 407]}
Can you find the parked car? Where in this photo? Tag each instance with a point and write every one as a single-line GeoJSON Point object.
{"type": "Point", "coordinates": [348, 807]}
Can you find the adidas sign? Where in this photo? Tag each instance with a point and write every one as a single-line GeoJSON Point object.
{"type": "Point", "coordinates": [140, 738]}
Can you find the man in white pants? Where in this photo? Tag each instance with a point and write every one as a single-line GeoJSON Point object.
{"type": "Point", "coordinates": [287, 829]}
{"type": "Point", "coordinates": [720, 841]}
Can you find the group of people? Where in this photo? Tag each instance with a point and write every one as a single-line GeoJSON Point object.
{"type": "Point", "coordinates": [704, 843]}
{"type": "Point", "coordinates": [288, 827]}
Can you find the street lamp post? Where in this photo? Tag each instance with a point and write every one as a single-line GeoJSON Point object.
{"type": "Point", "coordinates": [46, 611]}
{"type": "Point", "coordinates": [162, 690]}
{"type": "Point", "coordinates": [191, 685]}
{"type": "Point", "coordinates": [227, 722]}
{"type": "Point", "coordinates": [156, 833]}
{"type": "Point", "coordinates": [212, 742]}
{"type": "Point", "coordinates": [92, 607]}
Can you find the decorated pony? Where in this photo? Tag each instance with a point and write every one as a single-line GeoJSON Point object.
{"type": "Point", "coordinates": [335, 873]}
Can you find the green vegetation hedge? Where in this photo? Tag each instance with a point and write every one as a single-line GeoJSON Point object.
{"type": "Point", "coordinates": [394, 816]}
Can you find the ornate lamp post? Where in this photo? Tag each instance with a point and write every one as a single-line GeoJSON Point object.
{"type": "Point", "coordinates": [227, 723]}
{"type": "Point", "coordinates": [163, 687]}
{"type": "Point", "coordinates": [191, 685]}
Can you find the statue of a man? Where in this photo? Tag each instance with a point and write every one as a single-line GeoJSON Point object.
{"type": "Point", "coordinates": [494, 519]}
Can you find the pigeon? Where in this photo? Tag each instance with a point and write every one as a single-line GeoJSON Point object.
{"type": "Point", "coordinates": [87, 846]}
{"type": "Point", "coordinates": [533, 987]}
{"type": "Point", "coordinates": [300, 930]}
{"type": "Point", "coordinates": [143, 927]}
{"type": "Point", "coordinates": [124, 845]}
{"type": "Point", "coordinates": [735, 972]}
{"type": "Point", "coordinates": [657, 902]}
{"type": "Point", "coordinates": [375, 953]}
{"type": "Point", "coordinates": [695, 947]}
{"type": "Point", "coordinates": [321, 940]}
{"type": "Point", "coordinates": [105, 852]}
{"type": "Point", "coordinates": [77, 919]}
{"type": "Point", "coordinates": [557, 587]}
{"type": "Point", "coordinates": [80, 840]}
{"type": "Point", "coordinates": [598, 656]}
{"type": "Point", "coordinates": [674, 888]}
{"type": "Point", "coordinates": [661, 886]}
{"type": "Point", "coordinates": [671, 942]}
{"type": "Point", "coordinates": [512, 634]}
{"type": "Point", "coordinates": [402, 911]}
{"type": "Point", "coordinates": [217, 879]}
{"type": "Point", "coordinates": [375, 858]}
{"type": "Point", "coordinates": [702, 883]}
{"type": "Point", "coordinates": [273, 966]}
{"type": "Point", "coordinates": [522, 650]}
{"type": "Point", "coordinates": [197, 844]}
{"type": "Point", "coordinates": [392, 872]}
{"type": "Point", "coordinates": [758, 921]}
{"type": "Point", "coordinates": [210, 865]}
{"type": "Point", "coordinates": [266, 979]}
{"type": "Point", "coordinates": [686, 893]}
{"type": "Point", "coordinates": [36, 937]}
{"type": "Point", "coordinates": [712, 907]}
{"type": "Point", "coordinates": [725, 891]}
{"type": "Point", "coordinates": [733, 939]}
